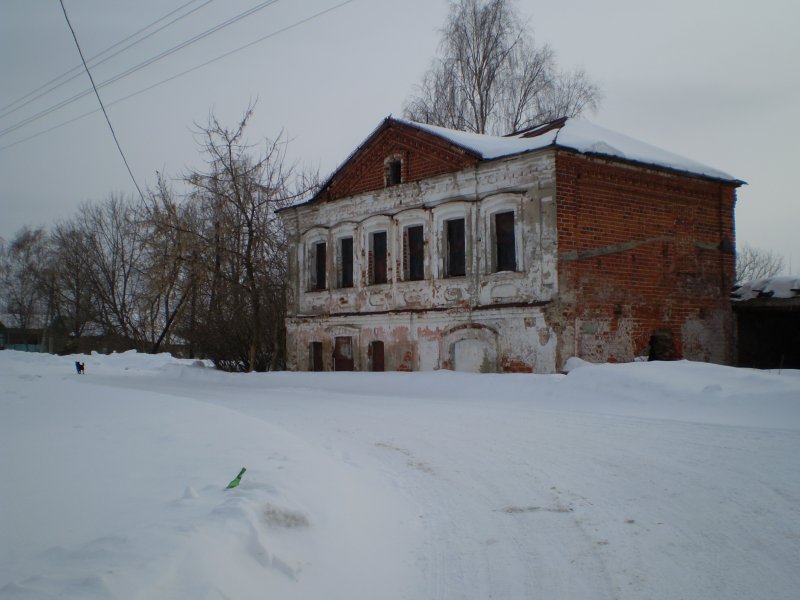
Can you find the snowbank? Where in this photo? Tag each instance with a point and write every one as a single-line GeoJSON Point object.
{"type": "Point", "coordinates": [645, 480]}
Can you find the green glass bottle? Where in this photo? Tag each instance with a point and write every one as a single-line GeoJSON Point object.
{"type": "Point", "coordinates": [237, 480]}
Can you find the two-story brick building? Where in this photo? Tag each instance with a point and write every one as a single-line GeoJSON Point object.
{"type": "Point", "coordinates": [432, 248]}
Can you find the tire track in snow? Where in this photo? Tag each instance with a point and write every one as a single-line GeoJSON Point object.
{"type": "Point", "coordinates": [492, 539]}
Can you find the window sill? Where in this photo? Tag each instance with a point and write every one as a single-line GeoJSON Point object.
{"type": "Point", "coordinates": [505, 274]}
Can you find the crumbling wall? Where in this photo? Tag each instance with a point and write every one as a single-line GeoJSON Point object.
{"type": "Point", "coordinates": [496, 340]}
{"type": "Point", "coordinates": [641, 250]}
{"type": "Point", "coordinates": [607, 252]}
{"type": "Point", "coordinates": [439, 321]}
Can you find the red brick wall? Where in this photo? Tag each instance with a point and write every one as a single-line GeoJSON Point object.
{"type": "Point", "coordinates": [641, 250]}
{"type": "Point", "coordinates": [423, 156]}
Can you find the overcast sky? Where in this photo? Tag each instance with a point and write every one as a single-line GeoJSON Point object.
{"type": "Point", "coordinates": [716, 81]}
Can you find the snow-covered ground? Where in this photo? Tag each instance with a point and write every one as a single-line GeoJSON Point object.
{"type": "Point", "coordinates": [657, 481]}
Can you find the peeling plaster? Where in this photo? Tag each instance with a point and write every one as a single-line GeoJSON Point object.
{"type": "Point", "coordinates": [435, 323]}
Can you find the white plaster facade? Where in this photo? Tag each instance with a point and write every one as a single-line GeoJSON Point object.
{"type": "Point", "coordinates": [485, 320]}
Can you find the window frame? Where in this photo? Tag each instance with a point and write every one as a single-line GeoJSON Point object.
{"type": "Point", "coordinates": [311, 239]}
{"type": "Point", "coordinates": [376, 224]}
{"type": "Point", "coordinates": [372, 275]}
{"type": "Point", "coordinates": [394, 170]}
{"type": "Point", "coordinates": [501, 247]}
{"type": "Point", "coordinates": [490, 208]}
{"type": "Point", "coordinates": [450, 254]}
{"type": "Point", "coordinates": [403, 221]}
{"type": "Point", "coordinates": [342, 262]}
{"type": "Point", "coordinates": [320, 268]}
{"type": "Point", "coordinates": [414, 254]}
{"type": "Point", "coordinates": [456, 209]}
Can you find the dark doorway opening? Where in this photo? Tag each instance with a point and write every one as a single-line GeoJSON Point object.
{"type": "Point", "coordinates": [375, 354]}
{"type": "Point", "coordinates": [315, 353]}
{"type": "Point", "coordinates": [343, 354]}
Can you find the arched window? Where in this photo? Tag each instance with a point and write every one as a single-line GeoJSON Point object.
{"type": "Point", "coordinates": [502, 223]}
{"type": "Point", "coordinates": [316, 260]}
{"type": "Point", "coordinates": [393, 170]}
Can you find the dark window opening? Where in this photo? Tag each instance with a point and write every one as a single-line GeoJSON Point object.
{"type": "Point", "coordinates": [394, 172]}
{"type": "Point", "coordinates": [375, 355]}
{"type": "Point", "coordinates": [415, 253]}
{"type": "Point", "coordinates": [378, 261]}
{"type": "Point", "coordinates": [343, 354]}
{"type": "Point", "coordinates": [320, 259]}
{"type": "Point", "coordinates": [346, 248]}
{"type": "Point", "coordinates": [456, 248]}
{"type": "Point", "coordinates": [505, 245]}
{"type": "Point", "coordinates": [315, 354]}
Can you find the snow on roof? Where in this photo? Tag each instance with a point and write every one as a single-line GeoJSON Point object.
{"type": "Point", "coordinates": [768, 287]}
{"type": "Point", "coordinates": [573, 134]}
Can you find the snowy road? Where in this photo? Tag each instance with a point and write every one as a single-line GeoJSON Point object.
{"type": "Point", "coordinates": [524, 503]}
{"type": "Point", "coordinates": [631, 481]}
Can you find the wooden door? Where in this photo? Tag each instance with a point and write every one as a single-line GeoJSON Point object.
{"type": "Point", "coordinates": [376, 356]}
{"type": "Point", "coordinates": [343, 354]}
{"type": "Point", "coordinates": [316, 356]}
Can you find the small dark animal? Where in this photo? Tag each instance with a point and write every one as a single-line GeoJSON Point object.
{"type": "Point", "coordinates": [80, 367]}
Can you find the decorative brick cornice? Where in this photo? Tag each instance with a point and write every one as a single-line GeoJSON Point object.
{"type": "Point", "coordinates": [424, 154]}
{"type": "Point", "coordinates": [635, 176]}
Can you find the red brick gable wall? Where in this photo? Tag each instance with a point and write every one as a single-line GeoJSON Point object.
{"type": "Point", "coordinates": [642, 250]}
{"type": "Point", "coordinates": [423, 155]}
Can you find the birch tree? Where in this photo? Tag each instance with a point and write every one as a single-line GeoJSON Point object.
{"type": "Point", "coordinates": [491, 77]}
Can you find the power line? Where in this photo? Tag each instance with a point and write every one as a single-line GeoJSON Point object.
{"type": "Point", "coordinates": [56, 82]}
{"type": "Point", "coordinates": [94, 87]}
{"type": "Point", "coordinates": [138, 67]}
{"type": "Point", "coordinates": [182, 73]}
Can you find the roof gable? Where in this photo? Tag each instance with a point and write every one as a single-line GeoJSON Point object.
{"type": "Point", "coordinates": [422, 154]}
{"type": "Point", "coordinates": [580, 136]}
{"type": "Point", "coordinates": [428, 150]}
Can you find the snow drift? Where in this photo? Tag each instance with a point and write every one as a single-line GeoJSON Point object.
{"type": "Point", "coordinates": [644, 480]}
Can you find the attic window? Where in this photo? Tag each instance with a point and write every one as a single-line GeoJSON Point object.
{"type": "Point", "coordinates": [393, 171]}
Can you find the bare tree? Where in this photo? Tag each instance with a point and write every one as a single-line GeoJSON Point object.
{"type": "Point", "coordinates": [237, 306]}
{"type": "Point", "coordinates": [209, 271]}
{"type": "Point", "coordinates": [755, 263]}
{"type": "Point", "coordinates": [171, 276]}
{"type": "Point", "coordinates": [70, 279]}
{"type": "Point", "coordinates": [490, 76]}
{"type": "Point", "coordinates": [107, 242]}
{"type": "Point", "coordinates": [22, 264]}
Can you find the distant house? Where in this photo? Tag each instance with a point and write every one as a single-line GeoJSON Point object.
{"type": "Point", "coordinates": [51, 338]}
{"type": "Point", "coordinates": [18, 338]}
{"type": "Point", "coordinates": [768, 323]}
{"type": "Point", "coordinates": [431, 248]}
